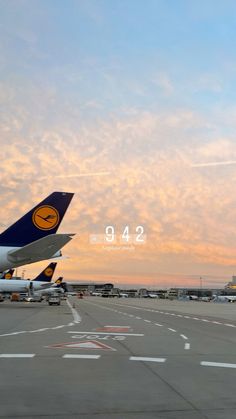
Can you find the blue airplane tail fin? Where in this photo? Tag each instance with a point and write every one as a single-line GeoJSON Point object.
{"type": "Point", "coordinates": [7, 274]}
{"type": "Point", "coordinates": [42, 220]}
{"type": "Point", "coordinates": [47, 273]}
{"type": "Point", "coordinates": [58, 281]}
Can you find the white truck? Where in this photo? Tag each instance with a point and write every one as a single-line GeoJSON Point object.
{"type": "Point", "coordinates": [54, 299]}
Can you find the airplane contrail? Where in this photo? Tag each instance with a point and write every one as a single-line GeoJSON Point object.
{"type": "Point", "coordinates": [77, 175]}
{"type": "Point", "coordinates": [214, 163]}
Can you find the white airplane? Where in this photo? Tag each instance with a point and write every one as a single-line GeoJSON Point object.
{"type": "Point", "coordinates": [225, 298]}
{"type": "Point", "coordinates": [33, 237]}
{"type": "Point", "coordinates": [54, 288]}
{"type": "Point", "coordinates": [42, 281]}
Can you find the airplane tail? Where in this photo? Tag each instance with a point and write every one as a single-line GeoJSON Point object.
{"type": "Point", "coordinates": [58, 281]}
{"type": "Point", "coordinates": [47, 274]}
{"type": "Point", "coordinates": [42, 220]}
{"type": "Point", "coordinates": [7, 274]}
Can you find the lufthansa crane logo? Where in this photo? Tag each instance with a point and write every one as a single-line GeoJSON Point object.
{"type": "Point", "coordinates": [8, 276]}
{"type": "Point", "coordinates": [48, 271]}
{"type": "Point", "coordinates": [45, 217]}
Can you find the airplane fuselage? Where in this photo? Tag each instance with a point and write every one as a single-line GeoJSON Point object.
{"type": "Point", "coordinates": [20, 285]}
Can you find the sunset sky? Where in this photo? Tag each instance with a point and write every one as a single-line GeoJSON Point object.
{"type": "Point", "coordinates": [129, 104]}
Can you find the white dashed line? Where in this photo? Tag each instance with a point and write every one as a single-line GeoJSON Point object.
{"type": "Point", "coordinates": [17, 355]}
{"type": "Point", "coordinates": [172, 330]}
{"type": "Point", "coordinates": [217, 364]}
{"type": "Point", "coordinates": [146, 359]}
{"type": "Point", "coordinates": [184, 337]}
{"type": "Point", "coordinates": [75, 356]}
{"type": "Point", "coordinates": [187, 346]}
{"type": "Point", "coordinates": [158, 324]}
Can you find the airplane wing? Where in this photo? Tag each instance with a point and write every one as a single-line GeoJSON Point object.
{"type": "Point", "coordinates": [40, 249]}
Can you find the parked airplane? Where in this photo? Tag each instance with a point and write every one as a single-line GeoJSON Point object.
{"type": "Point", "coordinates": [55, 288]}
{"type": "Point", "coordinates": [43, 280]}
{"type": "Point", "coordinates": [33, 237]}
{"type": "Point", "coordinates": [225, 298]}
{"type": "Point", "coordinates": [47, 274]}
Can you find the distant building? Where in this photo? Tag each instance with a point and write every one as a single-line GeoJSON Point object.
{"type": "Point", "coordinates": [231, 285]}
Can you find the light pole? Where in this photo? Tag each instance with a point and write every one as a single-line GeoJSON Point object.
{"type": "Point", "coordinates": [201, 285]}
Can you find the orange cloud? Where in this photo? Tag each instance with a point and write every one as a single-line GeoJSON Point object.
{"type": "Point", "coordinates": [187, 214]}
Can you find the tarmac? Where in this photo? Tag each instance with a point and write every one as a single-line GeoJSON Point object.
{"type": "Point", "coordinates": [103, 358]}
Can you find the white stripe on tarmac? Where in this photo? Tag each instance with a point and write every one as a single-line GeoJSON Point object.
{"type": "Point", "coordinates": [107, 333]}
{"type": "Point", "coordinates": [217, 364]}
{"type": "Point", "coordinates": [146, 359]}
{"type": "Point", "coordinates": [76, 316]}
{"type": "Point", "coordinates": [75, 356]}
{"type": "Point", "coordinates": [187, 346]}
{"type": "Point", "coordinates": [184, 337]}
{"type": "Point", "coordinates": [17, 355]}
{"type": "Point", "coordinates": [230, 325]}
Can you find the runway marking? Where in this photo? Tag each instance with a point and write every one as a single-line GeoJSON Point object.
{"type": "Point", "coordinates": [147, 359]}
{"type": "Point", "coordinates": [184, 337]}
{"type": "Point", "coordinates": [139, 318]}
{"type": "Point", "coordinates": [88, 344]}
{"type": "Point", "coordinates": [217, 364]}
{"type": "Point", "coordinates": [43, 329]}
{"type": "Point", "coordinates": [116, 329]}
{"type": "Point", "coordinates": [58, 327]}
{"type": "Point", "coordinates": [17, 355]}
{"type": "Point", "coordinates": [76, 316]}
{"type": "Point", "coordinates": [167, 313]}
{"type": "Point", "coordinates": [107, 333]}
{"type": "Point", "coordinates": [99, 337]}
{"type": "Point", "coordinates": [74, 356]}
{"type": "Point", "coordinates": [187, 346]}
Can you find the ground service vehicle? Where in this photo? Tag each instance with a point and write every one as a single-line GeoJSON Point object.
{"type": "Point", "coordinates": [54, 300]}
